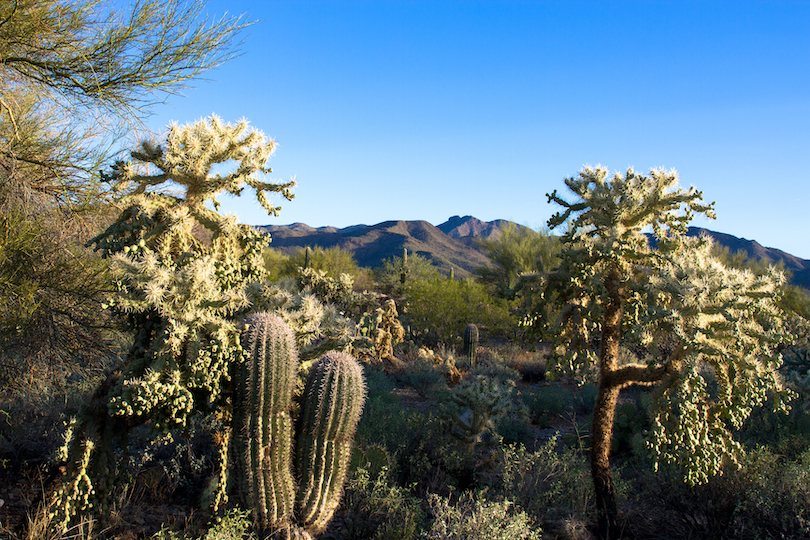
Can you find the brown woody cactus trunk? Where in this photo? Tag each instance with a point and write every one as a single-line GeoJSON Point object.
{"type": "Point", "coordinates": [603, 414]}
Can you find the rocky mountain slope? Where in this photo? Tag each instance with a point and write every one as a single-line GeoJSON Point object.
{"type": "Point", "coordinates": [452, 243]}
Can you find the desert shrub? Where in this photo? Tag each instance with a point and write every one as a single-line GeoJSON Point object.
{"type": "Point", "coordinates": [585, 399]}
{"type": "Point", "coordinates": [544, 403]}
{"type": "Point", "coordinates": [552, 484]}
{"type": "Point", "coordinates": [475, 518]}
{"type": "Point", "coordinates": [274, 261]}
{"type": "Point", "coordinates": [333, 260]}
{"type": "Point", "coordinates": [526, 360]}
{"type": "Point", "coordinates": [492, 366]}
{"type": "Point", "coordinates": [515, 252]}
{"type": "Point", "coordinates": [513, 429]}
{"type": "Point", "coordinates": [631, 421]}
{"type": "Point", "coordinates": [389, 275]}
{"type": "Point", "coordinates": [438, 309]}
{"type": "Point", "coordinates": [767, 497]}
{"type": "Point", "coordinates": [424, 453]}
{"type": "Point", "coordinates": [52, 293]}
{"type": "Point", "coordinates": [422, 375]}
{"type": "Point", "coordinates": [379, 510]}
{"type": "Point", "coordinates": [234, 525]}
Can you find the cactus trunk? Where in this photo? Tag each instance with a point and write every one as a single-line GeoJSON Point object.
{"type": "Point", "coordinates": [333, 404]}
{"type": "Point", "coordinates": [471, 343]}
{"type": "Point", "coordinates": [263, 425]}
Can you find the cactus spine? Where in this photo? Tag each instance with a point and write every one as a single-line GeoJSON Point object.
{"type": "Point", "coordinates": [333, 404]}
{"type": "Point", "coordinates": [263, 426]}
{"type": "Point", "coordinates": [471, 343]}
{"type": "Point", "coordinates": [264, 429]}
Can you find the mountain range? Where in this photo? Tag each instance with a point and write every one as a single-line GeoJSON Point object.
{"type": "Point", "coordinates": [452, 243]}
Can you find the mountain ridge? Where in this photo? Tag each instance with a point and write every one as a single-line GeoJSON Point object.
{"type": "Point", "coordinates": [452, 244]}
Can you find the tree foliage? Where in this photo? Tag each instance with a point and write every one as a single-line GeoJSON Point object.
{"type": "Point", "coordinates": [438, 309]}
{"type": "Point", "coordinates": [514, 252]}
{"type": "Point", "coordinates": [707, 335]}
{"type": "Point", "coordinates": [73, 75]}
{"type": "Point", "coordinates": [68, 66]}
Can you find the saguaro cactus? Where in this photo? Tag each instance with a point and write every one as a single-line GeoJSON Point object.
{"type": "Point", "coordinates": [263, 424]}
{"type": "Point", "coordinates": [333, 403]}
{"type": "Point", "coordinates": [471, 342]}
{"type": "Point", "coordinates": [263, 429]}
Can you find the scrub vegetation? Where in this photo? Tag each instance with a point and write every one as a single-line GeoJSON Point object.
{"type": "Point", "coordinates": [165, 374]}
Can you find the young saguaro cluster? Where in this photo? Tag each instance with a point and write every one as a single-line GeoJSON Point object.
{"type": "Point", "coordinates": [267, 460]}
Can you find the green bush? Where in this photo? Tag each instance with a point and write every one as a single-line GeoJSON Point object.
{"type": "Point", "coordinates": [552, 483]}
{"type": "Point", "coordinates": [544, 403]}
{"type": "Point", "coordinates": [421, 375]}
{"type": "Point", "coordinates": [376, 509]}
{"type": "Point", "coordinates": [333, 260]}
{"type": "Point", "coordinates": [474, 518]}
{"type": "Point", "coordinates": [438, 309]}
{"type": "Point", "coordinates": [388, 276]}
{"type": "Point", "coordinates": [767, 497]}
{"type": "Point", "coordinates": [424, 453]}
{"type": "Point", "coordinates": [233, 525]}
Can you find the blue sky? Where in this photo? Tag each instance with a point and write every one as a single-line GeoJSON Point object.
{"type": "Point", "coordinates": [388, 109]}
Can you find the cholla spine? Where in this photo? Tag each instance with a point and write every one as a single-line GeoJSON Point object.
{"type": "Point", "coordinates": [334, 397]}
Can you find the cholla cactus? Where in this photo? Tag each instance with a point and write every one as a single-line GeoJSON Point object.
{"type": "Point", "coordinates": [383, 329]}
{"type": "Point", "coordinates": [482, 401]}
{"type": "Point", "coordinates": [676, 300]}
{"type": "Point", "coordinates": [183, 273]}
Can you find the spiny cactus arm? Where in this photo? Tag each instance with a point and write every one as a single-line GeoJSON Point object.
{"type": "Point", "coordinates": [263, 426]}
{"type": "Point", "coordinates": [333, 403]}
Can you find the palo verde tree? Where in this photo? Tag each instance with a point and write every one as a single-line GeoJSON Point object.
{"type": "Point", "coordinates": [185, 276]}
{"type": "Point", "coordinates": [74, 76]}
{"type": "Point", "coordinates": [81, 64]}
{"type": "Point", "coordinates": [516, 251]}
{"type": "Point", "coordinates": [691, 318]}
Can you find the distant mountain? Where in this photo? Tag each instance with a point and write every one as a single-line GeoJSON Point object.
{"type": "Point", "coordinates": [452, 244]}
{"type": "Point", "coordinates": [798, 268]}
{"type": "Point", "coordinates": [371, 244]}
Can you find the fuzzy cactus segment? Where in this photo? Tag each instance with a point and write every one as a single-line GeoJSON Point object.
{"type": "Point", "coordinates": [333, 402]}
{"type": "Point", "coordinates": [263, 434]}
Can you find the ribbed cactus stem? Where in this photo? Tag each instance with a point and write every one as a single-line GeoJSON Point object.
{"type": "Point", "coordinates": [333, 403]}
{"type": "Point", "coordinates": [471, 342]}
{"type": "Point", "coordinates": [403, 274]}
{"type": "Point", "coordinates": [263, 426]}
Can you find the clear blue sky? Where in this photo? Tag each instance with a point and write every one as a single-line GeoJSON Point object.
{"type": "Point", "coordinates": [413, 110]}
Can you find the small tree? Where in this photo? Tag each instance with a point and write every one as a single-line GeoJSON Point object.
{"type": "Point", "coordinates": [74, 75]}
{"type": "Point", "coordinates": [515, 251]}
{"type": "Point", "coordinates": [691, 317]}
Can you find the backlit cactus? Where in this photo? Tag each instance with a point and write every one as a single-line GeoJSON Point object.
{"type": "Point", "coordinates": [263, 424]}
{"type": "Point", "coordinates": [471, 343]}
{"type": "Point", "coordinates": [264, 429]}
{"type": "Point", "coordinates": [333, 403]}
